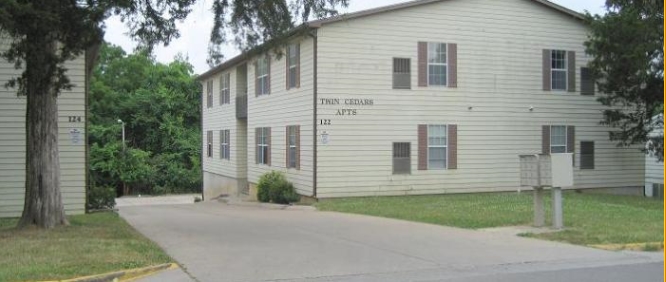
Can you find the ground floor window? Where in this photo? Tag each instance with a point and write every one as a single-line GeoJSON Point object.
{"type": "Point", "coordinates": [437, 145]}
{"type": "Point", "coordinates": [401, 158]}
{"type": "Point", "coordinates": [224, 144]}
{"type": "Point", "coordinates": [558, 139]}
{"type": "Point", "coordinates": [263, 145]}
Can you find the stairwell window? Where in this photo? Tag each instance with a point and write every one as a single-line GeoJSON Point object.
{"type": "Point", "coordinates": [558, 70]}
{"type": "Point", "coordinates": [209, 144]}
{"type": "Point", "coordinates": [263, 76]}
{"type": "Point", "coordinates": [225, 93]}
{"type": "Point", "coordinates": [437, 64]}
{"type": "Point", "coordinates": [437, 145]}
{"type": "Point", "coordinates": [558, 139]}
{"type": "Point", "coordinates": [293, 52]}
{"type": "Point", "coordinates": [209, 94]}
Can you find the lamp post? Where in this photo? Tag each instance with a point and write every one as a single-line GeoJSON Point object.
{"type": "Point", "coordinates": [123, 125]}
{"type": "Point", "coordinates": [125, 188]}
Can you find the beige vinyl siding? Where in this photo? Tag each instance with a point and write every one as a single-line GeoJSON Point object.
{"type": "Point", "coordinates": [221, 117]}
{"type": "Point", "coordinates": [499, 62]}
{"type": "Point", "coordinates": [279, 109]}
{"type": "Point", "coordinates": [12, 141]}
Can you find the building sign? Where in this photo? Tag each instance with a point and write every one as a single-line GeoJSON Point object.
{"type": "Point", "coordinates": [75, 135]}
{"type": "Point", "coordinates": [344, 107]}
{"type": "Point", "coordinates": [324, 138]}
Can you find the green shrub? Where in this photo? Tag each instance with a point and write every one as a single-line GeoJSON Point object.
{"type": "Point", "coordinates": [286, 194]}
{"type": "Point", "coordinates": [101, 197]}
{"type": "Point", "coordinates": [274, 187]}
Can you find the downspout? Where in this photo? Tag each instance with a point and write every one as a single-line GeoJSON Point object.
{"type": "Point", "coordinates": [313, 34]}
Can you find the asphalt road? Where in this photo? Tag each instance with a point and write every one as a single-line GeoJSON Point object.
{"type": "Point", "coordinates": [219, 242]}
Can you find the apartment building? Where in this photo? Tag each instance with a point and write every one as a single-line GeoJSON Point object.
{"type": "Point", "coordinates": [72, 143]}
{"type": "Point", "coordinates": [423, 97]}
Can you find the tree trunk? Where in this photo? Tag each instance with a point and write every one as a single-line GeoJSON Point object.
{"type": "Point", "coordinates": [43, 201]}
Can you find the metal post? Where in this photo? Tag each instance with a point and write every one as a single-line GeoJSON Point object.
{"type": "Point", "coordinates": [539, 212]}
{"type": "Point", "coordinates": [557, 208]}
{"type": "Point", "coordinates": [122, 124]}
{"type": "Point", "coordinates": [124, 146]}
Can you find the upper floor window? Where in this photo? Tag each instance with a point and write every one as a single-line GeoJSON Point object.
{"type": "Point", "coordinates": [558, 69]}
{"type": "Point", "coordinates": [263, 75]}
{"type": "Point", "coordinates": [558, 139]}
{"type": "Point", "coordinates": [401, 73]}
{"type": "Point", "coordinates": [437, 64]}
{"type": "Point", "coordinates": [209, 93]}
{"type": "Point", "coordinates": [293, 68]}
{"type": "Point", "coordinates": [225, 96]}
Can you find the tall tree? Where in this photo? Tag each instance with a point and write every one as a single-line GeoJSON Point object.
{"type": "Point", "coordinates": [628, 61]}
{"type": "Point", "coordinates": [45, 34]}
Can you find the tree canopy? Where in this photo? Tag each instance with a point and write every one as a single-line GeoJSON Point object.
{"type": "Point", "coordinates": [44, 34]}
{"type": "Point", "coordinates": [628, 61]}
{"type": "Point", "coordinates": [160, 105]}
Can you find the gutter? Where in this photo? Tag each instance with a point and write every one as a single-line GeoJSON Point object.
{"type": "Point", "coordinates": [313, 34]}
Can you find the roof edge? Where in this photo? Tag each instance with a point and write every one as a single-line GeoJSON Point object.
{"type": "Point", "coordinates": [299, 30]}
{"type": "Point", "coordinates": [319, 23]}
{"type": "Point", "coordinates": [399, 6]}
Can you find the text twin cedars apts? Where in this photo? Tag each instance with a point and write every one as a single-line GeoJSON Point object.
{"type": "Point", "coordinates": [346, 102]}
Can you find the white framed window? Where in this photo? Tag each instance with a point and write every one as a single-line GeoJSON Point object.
{"type": "Point", "coordinates": [224, 144]}
{"type": "Point", "coordinates": [558, 70]}
{"type": "Point", "coordinates": [437, 146]}
{"type": "Point", "coordinates": [262, 76]}
{"type": "Point", "coordinates": [209, 93]}
{"type": "Point", "coordinates": [292, 60]}
{"type": "Point", "coordinates": [225, 93]}
{"type": "Point", "coordinates": [558, 139]}
{"type": "Point", "coordinates": [209, 144]}
{"type": "Point", "coordinates": [437, 64]}
{"type": "Point", "coordinates": [263, 145]}
{"type": "Point", "coordinates": [292, 147]}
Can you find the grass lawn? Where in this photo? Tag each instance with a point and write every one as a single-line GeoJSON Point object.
{"type": "Point", "coordinates": [93, 244]}
{"type": "Point", "coordinates": [588, 218]}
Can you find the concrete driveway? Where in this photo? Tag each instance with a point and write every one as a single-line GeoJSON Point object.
{"type": "Point", "coordinates": [219, 242]}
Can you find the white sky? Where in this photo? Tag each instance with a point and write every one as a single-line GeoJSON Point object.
{"type": "Point", "coordinates": [195, 30]}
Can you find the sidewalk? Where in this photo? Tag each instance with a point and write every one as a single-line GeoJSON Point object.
{"type": "Point", "coordinates": [130, 201]}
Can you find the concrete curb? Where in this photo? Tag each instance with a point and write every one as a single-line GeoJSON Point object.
{"type": "Point", "coordinates": [659, 246]}
{"type": "Point", "coordinates": [122, 275]}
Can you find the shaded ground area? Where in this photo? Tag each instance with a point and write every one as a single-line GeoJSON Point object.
{"type": "Point", "coordinates": [588, 218]}
{"type": "Point", "coordinates": [93, 244]}
{"type": "Point", "coordinates": [219, 242]}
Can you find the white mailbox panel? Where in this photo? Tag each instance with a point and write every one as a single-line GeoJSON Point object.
{"type": "Point", "coordinates": [562, 167]}
{"type": "Point", "coordinates": [556, 170]}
